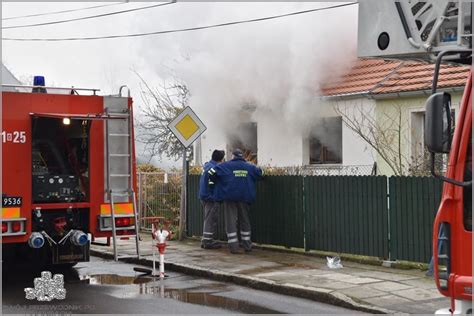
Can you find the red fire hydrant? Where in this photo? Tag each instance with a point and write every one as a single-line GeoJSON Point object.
{"type": "Point", "coordinates": [161, 235]}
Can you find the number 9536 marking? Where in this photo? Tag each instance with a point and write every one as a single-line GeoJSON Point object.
{"type": "Point", "coordinates": [11, 201]}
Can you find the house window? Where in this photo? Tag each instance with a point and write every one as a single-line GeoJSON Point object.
{"type": "Point", "coordinates": [246, 140]}
{"type": "Point", "coordinates": [325, 142]}
{"type": "Point", "coordinates": [420, 156]}
{"type": "Point", "coordinates": [418, 152]}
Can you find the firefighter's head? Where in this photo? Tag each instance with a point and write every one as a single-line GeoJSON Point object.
{"type": "Point", "coordinates": [218, 155]}
{"type": "Point", "coordinates": [238, 153]}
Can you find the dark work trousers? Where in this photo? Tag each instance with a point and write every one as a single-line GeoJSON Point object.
{"type": "Point", "coordinates": [210, 222]}
{"type": "Point", "coordinates": [234, 211]}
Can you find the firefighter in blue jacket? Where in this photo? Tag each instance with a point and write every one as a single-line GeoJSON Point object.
{"type": "Point", "coordinates": [209, 202]}
{"type": "Point", "coordinates": [235, 182]}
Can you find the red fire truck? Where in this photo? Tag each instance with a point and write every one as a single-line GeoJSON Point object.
{"type": "Point", "coordinates": [68, 172]}
{"type": "Point", "coordinates": [438, 30]}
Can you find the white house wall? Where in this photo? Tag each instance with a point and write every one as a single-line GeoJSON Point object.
{"type": "Point", "coordinates": [282, 144]}
{"type": "Point", "coordinates": [355, 150]}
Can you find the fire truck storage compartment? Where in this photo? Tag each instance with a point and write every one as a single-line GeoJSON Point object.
{"type": "Point", "coordinates": [60, 160]}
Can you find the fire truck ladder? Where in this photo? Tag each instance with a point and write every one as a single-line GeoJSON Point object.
{"type": "Point", "coordinates": [120, 179]}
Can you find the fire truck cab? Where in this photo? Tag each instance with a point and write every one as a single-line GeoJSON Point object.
{"type": "Point", "coordinates": [436, 30]}
{"type": "Point", "coordinates": [68, 172]}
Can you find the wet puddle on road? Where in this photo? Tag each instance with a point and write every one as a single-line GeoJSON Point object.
{"type": "Point", "coordinates": [200, 295]}
{"type": "Point", "coordinates": [213, 300]}
{"type": "Point", "coordinates": [114, 279]}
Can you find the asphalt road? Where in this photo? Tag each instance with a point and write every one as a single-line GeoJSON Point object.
{"type": "Point", "coordinates": [107, 287]}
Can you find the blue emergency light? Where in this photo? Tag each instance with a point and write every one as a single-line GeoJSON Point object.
{"type": "Point", "coordinates": [39, 81]}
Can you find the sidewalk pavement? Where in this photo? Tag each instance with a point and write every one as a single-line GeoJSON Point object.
{"type": "Point", "coordinates": [368, 288]}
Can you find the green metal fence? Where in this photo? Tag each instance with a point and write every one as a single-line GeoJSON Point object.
{"type": "Point", "coordinates": [414, 202]}
{"type": "Point", "coordinates": [194, 215]}
{"type": "Point", "coordinates": [277, 216]}
{"type": "Point", "coordinates": [347, 214]}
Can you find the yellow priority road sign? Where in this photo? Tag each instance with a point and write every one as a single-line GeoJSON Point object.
{"type": "Point", "coordinates": [187, 127]}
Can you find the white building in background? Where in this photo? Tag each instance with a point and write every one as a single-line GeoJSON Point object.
{"type": "Point", "coordinates": [8, 78]}
{"type": "Point", "coordinates": [330, 147]}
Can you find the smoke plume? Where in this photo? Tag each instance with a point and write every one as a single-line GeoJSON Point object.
{"type": "Point", "coordinates": [275, 68]}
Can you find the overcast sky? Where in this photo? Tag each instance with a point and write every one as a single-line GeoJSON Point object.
{"type": "Point", "coordinates": [259, 50]}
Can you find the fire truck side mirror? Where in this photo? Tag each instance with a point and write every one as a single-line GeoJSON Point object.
{"type": "Point", "coordinates": [438, 123]}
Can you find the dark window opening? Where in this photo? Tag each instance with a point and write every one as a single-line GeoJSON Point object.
{"type": "Point", "coordinates": [246, 140]}
{"type": "Point", "coordinates": [60, 160]}
{"type": "Point", "coordinates": [325, 142]}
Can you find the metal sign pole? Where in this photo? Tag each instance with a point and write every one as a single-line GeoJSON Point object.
{"type": "Point", "coordinates": [182, 214]}
{"type": "Point", "coordinates": [187, 127]}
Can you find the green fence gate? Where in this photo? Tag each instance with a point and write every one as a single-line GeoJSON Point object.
{"type": "Point", "coordinates": [277, 216]}
{"type": "Point", "coordinates": [347, 214]}
{"type": "Point", "coordinates": [414, 202]}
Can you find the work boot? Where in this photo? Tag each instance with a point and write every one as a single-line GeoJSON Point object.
{"type": "Point", "coordinates": [234, 250]}
{"type": "Point", "coordinates": [213, 245]}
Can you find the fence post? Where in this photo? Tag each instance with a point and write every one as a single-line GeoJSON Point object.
{"type": "Point", "coordinates": [389, 237]}
{"type": "Point", "coordinates": [140, 211]}
{"type": "Point", "coordinates": [305, 228]}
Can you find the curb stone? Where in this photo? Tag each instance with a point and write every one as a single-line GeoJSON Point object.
{"type": "Point", "coordinates": [295, 290]}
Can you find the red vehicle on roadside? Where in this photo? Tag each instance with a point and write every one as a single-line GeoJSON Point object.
{"type": "Point", "coordinates": [436, 30]}
{"type": "Point", "coordinates": [67, 161]}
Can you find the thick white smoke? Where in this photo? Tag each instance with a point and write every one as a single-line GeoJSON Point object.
{"type": "Point", "coordinates": [278, 66]}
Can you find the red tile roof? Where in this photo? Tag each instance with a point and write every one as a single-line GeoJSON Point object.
{"type": "Point", "coordinates": [379, 76]}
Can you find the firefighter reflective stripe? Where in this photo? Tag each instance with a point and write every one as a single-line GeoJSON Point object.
{"type": "Point", "coordinates": [232, 237]}
{"type": "Point", "coordinates": [120, 208]}
{"type": "Point", "coordinates": [207, 236]}
{"type": "Point", "coordinates": [10, 212]}
{"type": "Point", "coordinates": [211, 171]}
{"type": "Point", "coordinates": [245, 235]}
{"type": "Point", "coordinates": [210, 182]}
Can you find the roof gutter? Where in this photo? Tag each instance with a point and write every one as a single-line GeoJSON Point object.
{"type": "Point", "coordinates": [345, 96]}
{"type": "Point", "coordinates": [404, 94]}
{"type": "Point", "coordinates": [407, 94]}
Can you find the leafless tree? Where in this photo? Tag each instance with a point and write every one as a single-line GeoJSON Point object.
{"type": "Point", "coordinates": [161, 105]}
{"type": "Point", "coordinates": [385, 134]}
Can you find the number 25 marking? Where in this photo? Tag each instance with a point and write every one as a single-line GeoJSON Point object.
{"type": "Point", "coordinates": [16, 137]}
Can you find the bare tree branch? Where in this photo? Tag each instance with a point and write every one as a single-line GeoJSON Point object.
{"type": "Point", "coordinates": [384, 134]}
{"type": "Point", "coordinates": [161, 105]}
